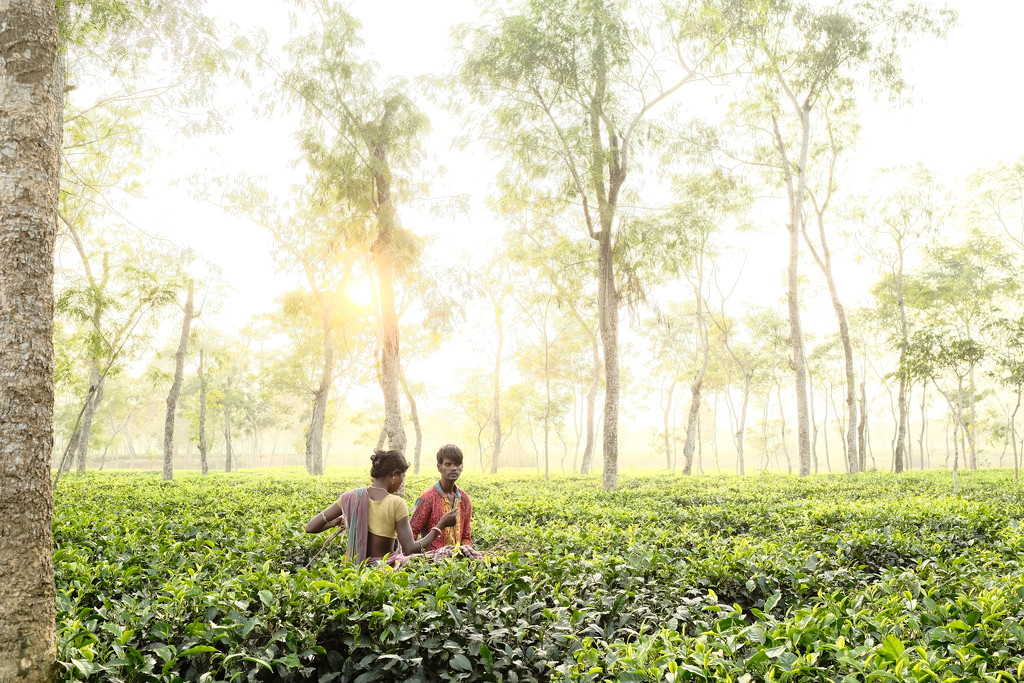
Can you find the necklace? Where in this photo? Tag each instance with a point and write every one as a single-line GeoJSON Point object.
{"type": "Point", "coordinates": [379, 488]}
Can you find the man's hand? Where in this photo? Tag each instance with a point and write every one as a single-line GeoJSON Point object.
{"type": "Point", "coordinates": [449, 519]}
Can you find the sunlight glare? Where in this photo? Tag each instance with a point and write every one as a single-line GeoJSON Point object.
{"type": "Point", "coordinates": [360, 292]}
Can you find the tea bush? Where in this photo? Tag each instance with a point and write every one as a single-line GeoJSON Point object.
{"type": "Point", "coordinates": [829, 578]}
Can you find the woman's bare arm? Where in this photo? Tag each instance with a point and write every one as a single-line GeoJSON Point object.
{"type": "Point", "coordinates": [327, 519]}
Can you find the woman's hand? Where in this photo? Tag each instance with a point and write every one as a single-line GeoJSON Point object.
{"type": "Point", "coordinates": [337, 521]}
{"type": "Point", "coordinates": [449, 519]}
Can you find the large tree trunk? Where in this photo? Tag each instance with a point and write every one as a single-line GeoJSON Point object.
{"type": "Point", "coordinates": [608, 306]}
{"type": "Point", "coordinates": [797, 190]}
{"type": "Point", "coordinates": [814, 423]}
{"type": "Point", "coordinates": [203, 459]}
{"type": "Point", "coordinates": [958, 418]}
{"type": "Point", "coordinates": [698, 380]}
{"type": "Point", "coordinates": [384, 248]}
{"type": "Point", "coordinates": [179, 373]}
{"type": "Point", "coordinates": [315, 435]}
{"type": "Point", "coordinates": [595, 385]}
{"type": "Point", "coordinates": [1013, 437]}
{"type": "Point", "coordinates": [862, 429]}
{"type": "Point", "coordinates": [496, 415]}
{"type": "Point", "coordinates": [415, 416]}
{"type": "Point", "coordinates": [972, 416]}
{"type": "Point", "coordinates": [741, 428]}
{"type": "Point", "coordinates": [691, 427]}
{"type": "Point", "coordinates": [903, 413]}
{"type": "Point", "coordinates": [824, 261]}
{"type": "Point", "coordinates": [95, 395]}
{"type": "Point", "coordinates": [31, 100]}
{"type": "Point", "coordinates": [229, 448]}
{"type": "Point", "coordinates": [547, 406]}
{"type": "Point", "coordinates": [899, 452]}
{"type": "Point", "coordinates": [666, 416]}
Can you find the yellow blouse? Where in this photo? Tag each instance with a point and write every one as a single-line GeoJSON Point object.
{"type": "Point", "coordinates": [385, 515]}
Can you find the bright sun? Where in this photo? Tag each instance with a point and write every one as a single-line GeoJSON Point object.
{"type": "Point", "coordinates": [360, 292]}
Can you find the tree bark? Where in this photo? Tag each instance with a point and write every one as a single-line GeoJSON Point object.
{"type": "Point", "coordinates": [203, 383]}
{"type": "Point", "coordinates": [698, 380]}
{"type": "Point", "coordinates": [84, 435]}
{"type": "Point", "coordinates": [383, 248]}
{"type": "Point", "coordinates": [595, 385]}
{"type": "Point", "coordinates": [797, 191]}
{"type": "Point", "coordinates": [862, 429]}
{"type": "Point", "coordinates": [547, 403]}
{"type": "Point", "coordinates": [608, 305]}
{"type": "Point", "coordinates": [415, 423]}
{"type": "Point", "coordinates": [666, 414]}
{"type": "Point", "coordinates": [315, 435]}
{"type": "Point", "coordinates": [1013, 437]}
{"type": "Point", "coordinates": [824, 261]}
{"type": "Point", "coordinates": [31, 100]}
{"type": "Point", "coordinates": [496, 412]}
{"type": "Point", "coordinates": [969, 430]}
{"type": "Point", "coordinates": [179, 373]}
{"type": "Point", "coordinates": [229, 449]}
{"type": "Point", "coordinates": [903, 416]}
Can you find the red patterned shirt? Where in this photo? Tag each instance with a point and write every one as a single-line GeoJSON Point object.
{"type": "Point", "coordinates": [431, 506]}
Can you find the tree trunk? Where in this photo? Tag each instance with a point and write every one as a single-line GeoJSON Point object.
{"type": "Point", "coordinates": [666, 415]}
{"type": "Point", "coordinates": [496, 412]}
{"type": "Point", "coordinates": [31, 100]}
{"type": "Point", "coordinates": [179, 373]}
{"type": "Point", "coordinates": [797, 190]}
{"type": "Point", "coordinates": [203, 460]}
{"type": "Point", "coordinates": [95, 395]}
{"type": "Point", "coordinates": [921, 446]}
{"type": "Point", "coordinates": [315, 435]}
{"type": "Point", "coordinates": [384, 247]}
{"type": "Point", "coordinates": [972, 416]}
{"type": "Point", "coordinates": [782, 432]}
{"type": "Point", "coordinates": [229, 449]}
{"type": "Point", "coordinates": [863, 427]}
{"type": "Point", "coordinates": [902, 417]}
{"type": "Point", "coordinates": [741, 428]}
{"type": "Point", "coordinates": [698, 380]}
{"type": "Point", "coordinates": [956, 439]}
{"type": "Point", "coordinates": [1013, 437]}
{"type": "Point", "coordinates": [814, 423]}
{"type": "Point", "coordinates": [595, 385]}
{"type": "Point", "coordinates": [824, 433]}
{"type": "Point", "coordinates": [608, 306]}
{"type": "Point", "coordinates": [415, 423]}
{"type": "Point", "coordinates": [824, 261]}
{"type": "Point", "coordinates": [547, 404]}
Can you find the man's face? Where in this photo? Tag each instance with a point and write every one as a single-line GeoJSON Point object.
{"type": "Point", "coordinates": [449, 469]}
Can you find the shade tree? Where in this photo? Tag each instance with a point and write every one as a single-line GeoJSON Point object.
{"type": "Point", "coordinates": [900, 216]}
{"type": "Point", "coordinates": [807, 63]}
{"type": "Point", "coordinates": [361, 136]}
{"type": "Point", "coordinates": [568, 89]}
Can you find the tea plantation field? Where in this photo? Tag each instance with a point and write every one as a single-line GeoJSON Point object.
{"type": "Point", "coordinates": [870, 578]}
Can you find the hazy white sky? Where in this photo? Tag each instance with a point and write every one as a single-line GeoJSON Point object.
{"type": "Point", "coordinates": [965, 113]}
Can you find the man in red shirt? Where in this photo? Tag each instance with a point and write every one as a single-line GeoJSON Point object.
{"type": "Point", "coordinates": [441, 498]}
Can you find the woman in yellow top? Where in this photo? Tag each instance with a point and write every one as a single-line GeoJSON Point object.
{"type": "Point", "coordinates": [375, 517]}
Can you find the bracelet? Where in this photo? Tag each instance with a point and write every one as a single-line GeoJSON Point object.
{"type": "Point", "coordinates": [324, 517]}
{"type": "Point", "coordinates": [437, 529]}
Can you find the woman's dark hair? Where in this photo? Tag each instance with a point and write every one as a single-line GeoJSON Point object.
{"type": "Point", "coordinates": [449, 451]}
{"type": "Point", "coordinates": [386, 463]}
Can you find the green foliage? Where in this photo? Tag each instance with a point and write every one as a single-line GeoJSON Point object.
{"type": "Point", "coordinates": [876, 578]}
